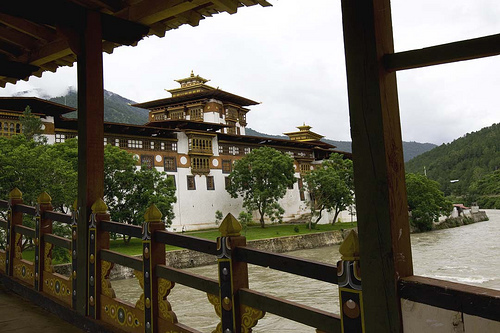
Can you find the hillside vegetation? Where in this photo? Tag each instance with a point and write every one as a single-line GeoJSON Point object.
{"type": "Point", "coordinates": [410, 148]}
{"type": "Point", "coordinates": [467, 168]}
{"type": "Point", "coordinates": [117, 109]}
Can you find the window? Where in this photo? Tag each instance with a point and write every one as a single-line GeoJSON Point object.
{"type": "Point", "coordinates": [170, 164]}
{"type": "Point", "coordinates": [174, 146]}
{"type": "Point", "coordinates": [200, 164]}
{"type": "Point", "coordinates": [137, 144]}
{"type": "Point", "coordinates": [233, 150]}
{"type": "Point", "coordinates": [152, 145]}
{"type": "Point", "coordinates": [60, 137]}
{"type": "Point", "coordinates": [247, 150]}
{"type": "Point", "coordinates": [162, 145]}
{"type": "Point", "coordinates": [227, 182]}
{"type": "Point", "coordinates": [305, 168]}
{"type": "Point", "coordinates": [191, 185]}
{"type": "Point", "coordinates": [210, 183]}
{"type": "Point", "coordinates": [105, 141]}
{"type": "Point", "coordinates": [147, 161]}
{"type": "Point", "coordinates": [226, 166]}
{"type": "Point", "coordinates": [172, 177]}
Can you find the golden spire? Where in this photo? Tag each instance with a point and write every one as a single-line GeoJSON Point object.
{"type": "Point", "coordinates": [230, 226]}
{"type": "Point", "coordinates": [350, 247]}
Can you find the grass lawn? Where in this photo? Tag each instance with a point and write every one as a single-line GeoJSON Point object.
{"type": "Point", "coordinates": [134, 247]}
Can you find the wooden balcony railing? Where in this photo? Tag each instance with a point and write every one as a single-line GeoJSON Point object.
{"type": "Point", "coordinates": [238, 306]}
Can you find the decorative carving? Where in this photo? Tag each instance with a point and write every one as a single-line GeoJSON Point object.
{"type": "Point", "coordinates": [58, 287]}
{"type": "Point", "coordinates": [24, 271]}
{"type": "Point", "coordinates": [230, 226]}
{"type": "Point", "coordinates": [106, 288]}
{"type": "Point", "coordinates": [18, 253]}
{"type": "Point", "coordinates": [47, 258]}
{"type": "Point", "coordinates": [215, 301]}
{"type": "Point", "coordinates": [121, 315]}
{"type": "Point", "coordinates": [249, 318]}
{"type": "Point", "coordinates": [164, 287]}
{"type": "Point", "coordinates": [140, 303]}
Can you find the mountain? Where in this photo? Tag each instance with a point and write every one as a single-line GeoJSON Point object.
{"type": "Point", "coordinates": [463, 162]}
{"type": "Point", "coordinates": [410, 149]}
{"type": "Point", "coordinates": [117, 109]}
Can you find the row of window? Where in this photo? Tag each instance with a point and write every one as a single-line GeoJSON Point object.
{"type": "Point", "coordinates": [191, 184]}
{"type": "Point", "coordinates": [9, 128]}
{"type": "Point", "coordinates": [200, 145]}
{"type": "Point", "coordinates": [61, 137]}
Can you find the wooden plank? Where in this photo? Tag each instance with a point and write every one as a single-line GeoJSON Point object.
{"type": "Point", "coordinates": [57, 241]}
{"type": "Point", "coordinates": [282, 262]}
{"type": "Point", "coordinates": [121, 259]}
{"type": "Point", "coordinates": [442, 54]}
{"type": "Point", "coordinates": [59, 217]}
{"type": "Point", "coordinates": [475, 301]}
{"type": "Point", "coordinates": [322, 320]}
{"type": "Point", "coordinates": [29, 28]}
{"type": "Point", "coordinates": [22, 208]}
{"type": "Point", "coordinates": [379, 176]}
{"type": "Point", "coordinates": [122, 228]}
{"type": "Point", "coordinates": [25, 231]}
{"type": "Point", "coordinates": [190, 280]}
{"type": "Point", "coordinates": [187, 242]}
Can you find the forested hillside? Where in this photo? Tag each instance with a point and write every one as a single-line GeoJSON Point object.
{"type": "Point", "coordinates": [410, 148]}
{"type": "Point", "coordinates": [465, 167]}
{"type": "Point", "coordinates": [117, 109]}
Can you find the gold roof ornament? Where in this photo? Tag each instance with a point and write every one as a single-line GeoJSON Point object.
{"type": "Point", "coordinates": [152, 214]}
{"type": "Point", "coordinates": [350, 247]}
{"type": "Point", "coordinates": [16, 194]}
{"type": "Point", "coordinates": [44, 198]}
{"type": "Point", "coordinates": [304, 134]}
{"type": "Point", "coordinates": [99, 207]}
{"type": "Point", "coordinates": [230, 226]}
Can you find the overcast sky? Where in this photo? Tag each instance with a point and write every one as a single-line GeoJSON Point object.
{"type": "Point", "coordinates": [290, 57]}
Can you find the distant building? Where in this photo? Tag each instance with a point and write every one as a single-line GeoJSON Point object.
{"type": "Point", "coordinates": [194, 136]}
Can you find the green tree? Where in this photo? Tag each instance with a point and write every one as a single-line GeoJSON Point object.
{"type": "Point", "coordinates": [331, 187]}
{"type": "Point", "coordinates": [31, 124]}
{"type": "Point", "coordinates": [426, 202]}
{"type": "Point", "coordinates": [262, 178]}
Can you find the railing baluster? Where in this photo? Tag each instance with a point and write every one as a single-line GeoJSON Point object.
{"type": "Point", "coordinates": [153, 254]}
{"type": "Point", "coordinates": [42, 226]}
{"type": "Point", "coordinates": [14, 218]}
{"type": "Point", "coordinates": [349, 281]}
{"type": "Point", "coordinates": [233, 275]}
{"type": "Point", "coordinates": [98, 240]}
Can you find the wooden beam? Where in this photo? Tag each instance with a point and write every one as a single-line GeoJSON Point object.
{"type": "Point", "coordinates": [16, 70]}
{"type": "Point", "coordinates": [114, 28]}
{"type": "Point", "coordinates": [155, 11]}
{"type": "Point", "coordinates": [29, 28]}
{"type": "Point", "coordinates": [18, 38]}
{"type": "Point", "coordinates": [445, 53]}
{"type": "Point", "coordinates": [229, 6]}
{"type": "Point", "coordinates": [379, 175]}
{"type": "Point", "coordinates": [90, 139]}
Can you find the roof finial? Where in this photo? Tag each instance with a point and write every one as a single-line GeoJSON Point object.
{"type": "Point", "coordinates": [192, 74]}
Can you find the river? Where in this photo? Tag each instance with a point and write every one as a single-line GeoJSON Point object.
{"type": "Point", "coordinates": [467, 254]}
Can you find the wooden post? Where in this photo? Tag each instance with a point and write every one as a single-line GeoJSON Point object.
{"type": "Point", "coordinates": [98, 240]}
{"type": "Point", "coordinates": [349, 281]}
{"type": "Point", "coordinates": [379, 175]}
{"type": "Point", "coordinates": [88, 48]}
{"type": "Point", "coordinates": [14, 218]}
{"type": "Point", "coordinates": [233, 274]}
{"type": "Point", "coordinates": [153, 254]}
{"type": "Point", "coordinates": [42, 226]}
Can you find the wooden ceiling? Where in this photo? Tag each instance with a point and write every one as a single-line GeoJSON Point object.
{"type": "Point", "coordinates": [34, 34]}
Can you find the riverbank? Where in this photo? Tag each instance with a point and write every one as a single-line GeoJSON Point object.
{"type": "Point", "coordinates": [453, 222]}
